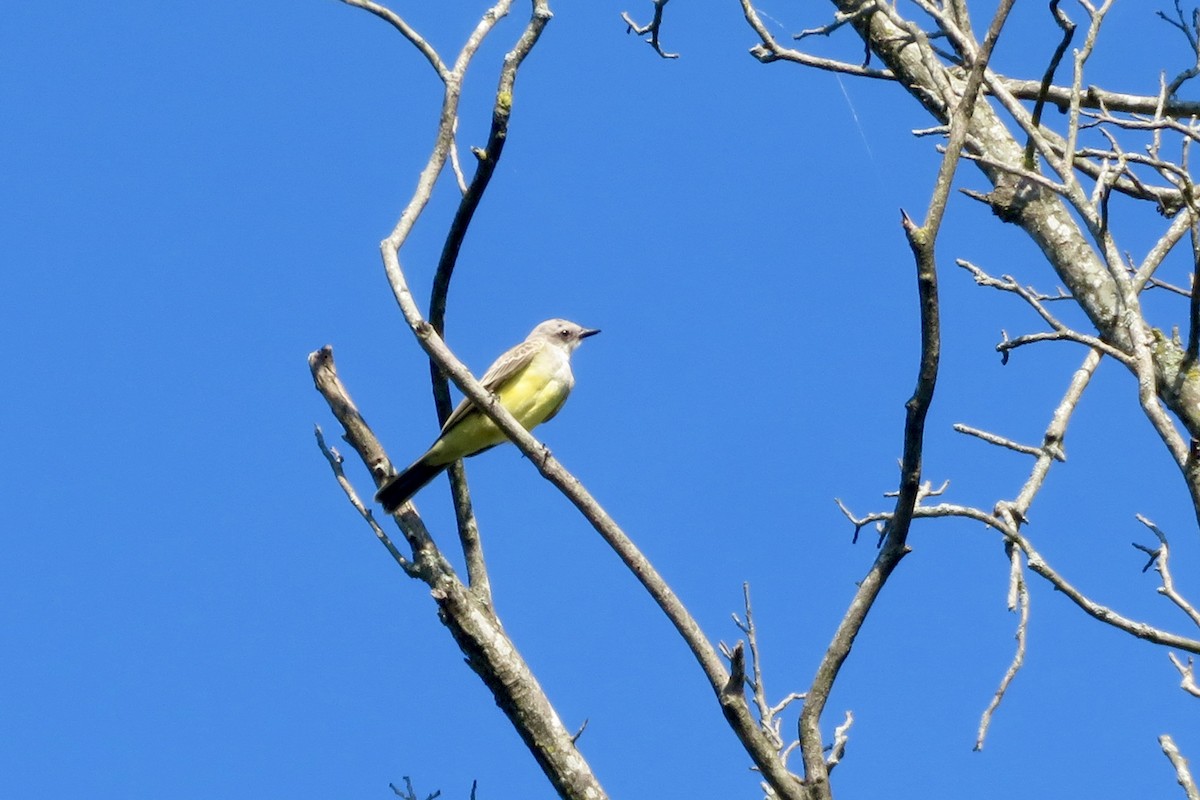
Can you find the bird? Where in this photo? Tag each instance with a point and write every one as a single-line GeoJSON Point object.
{"type": "Point", "coordinates": [531, 380]}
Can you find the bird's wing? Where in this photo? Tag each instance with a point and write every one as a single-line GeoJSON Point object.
{"type": "Point", "coordinates": [504, 368]}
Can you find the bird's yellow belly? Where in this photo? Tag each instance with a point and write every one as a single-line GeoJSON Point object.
{"type": "Point", "coordinates": [532, 397]}
{"type": "Point", "coordinates": [535, 395]}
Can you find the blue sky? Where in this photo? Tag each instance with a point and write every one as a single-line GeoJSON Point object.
{"type": "Point", "coordinates": [189, 607]}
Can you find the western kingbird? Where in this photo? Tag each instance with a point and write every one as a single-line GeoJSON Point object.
{"type": "Point", "coordinates": [532, 381]}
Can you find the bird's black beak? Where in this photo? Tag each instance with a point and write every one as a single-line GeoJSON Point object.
{"type": "Point", "coordinates": [586, 332]}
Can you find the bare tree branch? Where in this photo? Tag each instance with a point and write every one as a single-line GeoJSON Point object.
{"type": "Point", "coordinates": [1094, 275]}
{"type": "Point", "coordinates": [1055, 189]}
{"type": "Point", "coordinates": [653, 27]}
{"type": "Point", "coordinates": [486, 160]}
{"type": "Point", "coordinates": [1000, 441]}
{"type": "Point", "coordinates": [922, 240]}
{"type": "Point", "coordinates": [1018, 596]}
{"type": "Point", "coordinates": [1161, 559]}
{"type": "Point", "coordinates": [409, 793]}
{"type": "Point", "coordinates": [1068, 30]}
{"type": "Point", "coordinates": [839, 19]}
{"type": "Point", "coordinates": [476, 629]}
{"type": "Point", "coordinates": [736, 710]}
{"type": "Point", "coordinates": [1004, 521]}
{"type": "Point", "coordinates": [1191, 31]}
{"type": "Point", "coordinates": [841, 737]}
{"type": "Point", "coordinates": [335, 463]}
{"type": "Point", "coordinates": [407, 31]}
{"type": "Point", "coordinates": [771, 50]}
{"type": "Point", "coordinates": [466, 613]}
{"type": "Point", "coordinates": [768, 715]}
{"type": "Point", "coordinates": [1182, 773]}
{"type": "Point", "coordinates": [1187, 673]}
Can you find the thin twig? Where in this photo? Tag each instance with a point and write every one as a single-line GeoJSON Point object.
{"type": "Point", "coordinates": [1068, 30]}
{"type": "Point", "coordinates": [768, 715]}
{"type": "Point", "coordinates": [1036, 300]}
{"type": "Point", "coordinates": [1019, 593]}
{"type": "Point", "coordinates": [409, 793]}
{"type": "Point", "coordinates": [771, 50]}
{"type": "Point", "coordinates": [407, 31]}
{"type": "Point", "coordinates": [839, 19]}
{"type": "Point", "coordinates": [1191, 32]}
{"type": "Point", "coordinates": [335, 463]}
{"type": "Point", "coordinates": [1001, 441]}
{"type": "Point", "coordinates": [841, 737]}
{"type": "Point", "coordinates": [1187, 674]}
{"type": "Point", "coordinates": [1004, 521]}
{"type": "Point", "coordinates": [653, 27]}
{"type": "Point", "coordinates": [1007, 345]}
{"type": "Point", "coordinates": [1161, 558]}
{"type": "Point", "coordinates": [425, 558]}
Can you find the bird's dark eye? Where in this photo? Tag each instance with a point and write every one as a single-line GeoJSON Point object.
{"type": "Point", "coordinates": [565, 333]}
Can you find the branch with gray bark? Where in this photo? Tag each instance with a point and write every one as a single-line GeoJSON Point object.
{"type": "Point", "coordinates": [466, 609]}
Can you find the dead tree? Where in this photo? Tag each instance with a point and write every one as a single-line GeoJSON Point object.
{"type": "Point", "coordinates": [1060, 158]}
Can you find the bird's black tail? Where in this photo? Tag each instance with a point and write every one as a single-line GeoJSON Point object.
{"type": "Point", "coordinates": [399, 488]}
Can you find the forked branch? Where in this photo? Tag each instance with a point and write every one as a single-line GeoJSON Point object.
{"type": "Point", "coordinates": [922, 239]}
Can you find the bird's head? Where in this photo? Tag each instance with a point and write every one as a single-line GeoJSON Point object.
{"type": "Point", "coordinates": [562, 333]}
